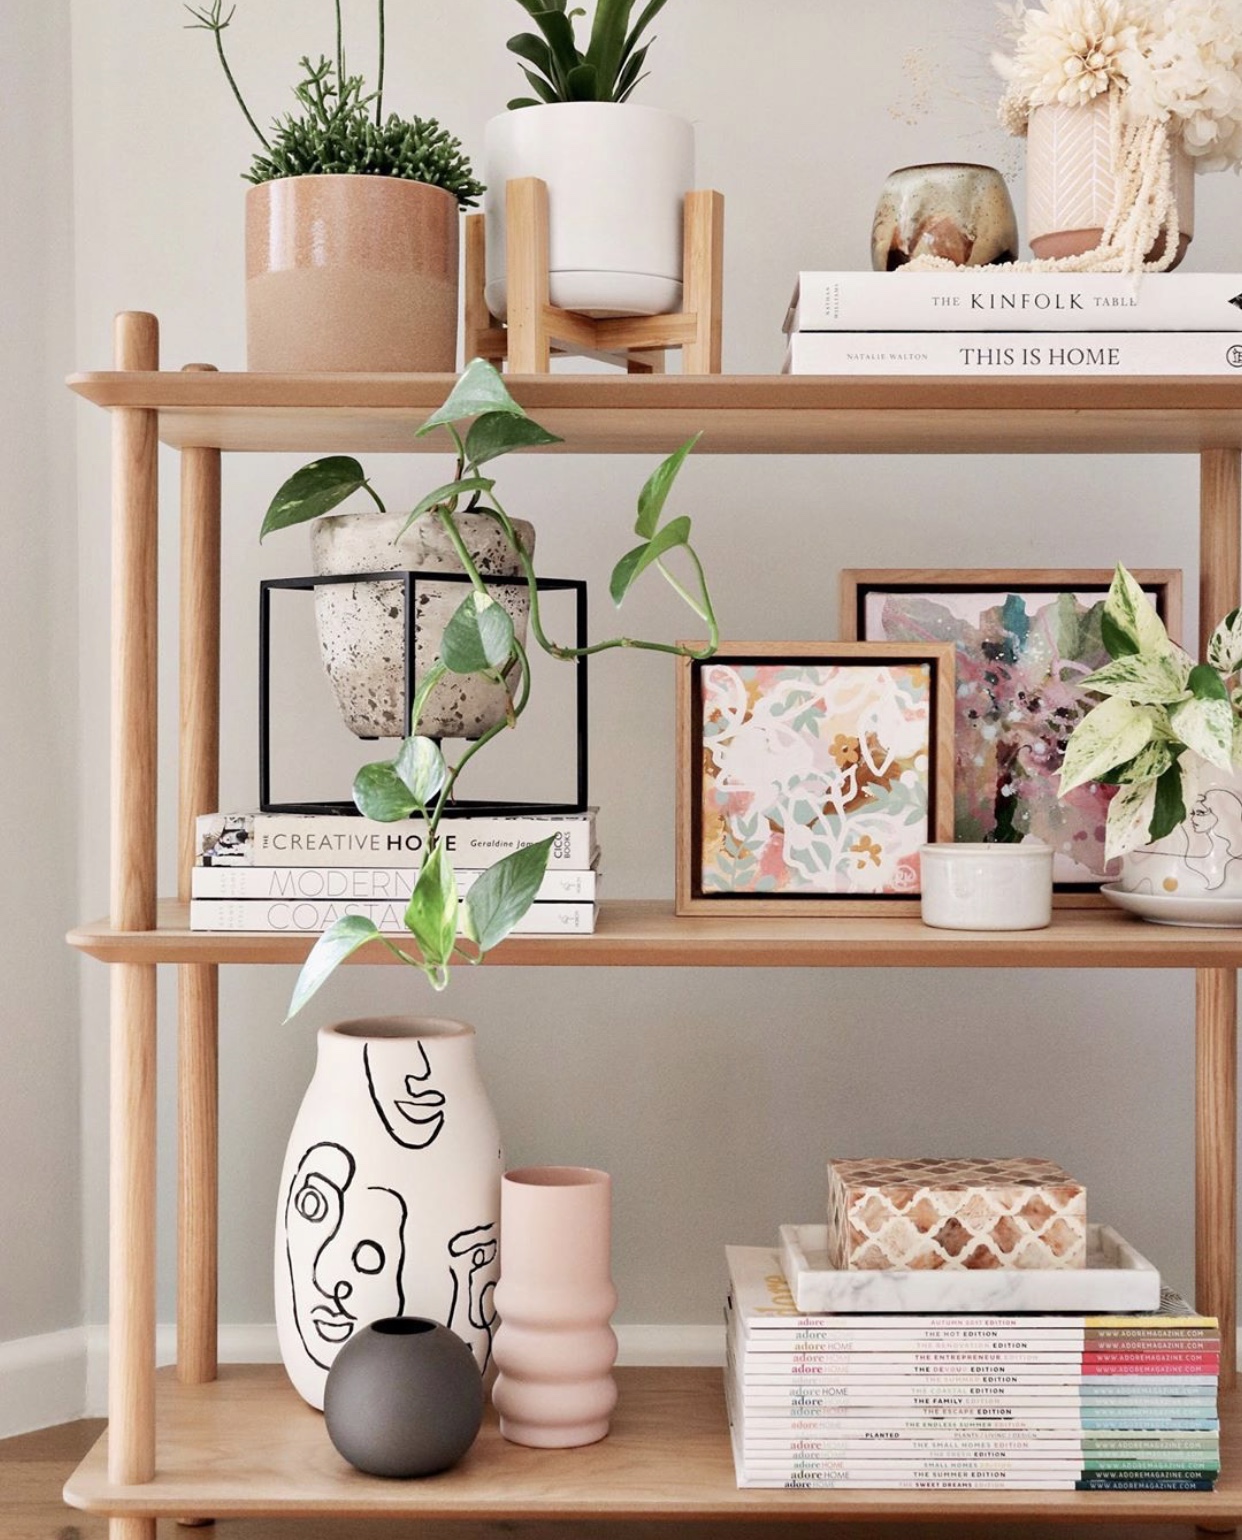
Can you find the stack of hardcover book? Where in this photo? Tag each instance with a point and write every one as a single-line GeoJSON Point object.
{"type": "Point", "coordinates": [302, 872]}
{"type": "Point", "coordinates": [992, 321]}
{"type": "Point", "coordinates": [1032, 1402]}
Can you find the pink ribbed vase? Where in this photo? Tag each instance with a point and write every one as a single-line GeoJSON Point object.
{"type": "Point", "coordinates": [554, 1348]}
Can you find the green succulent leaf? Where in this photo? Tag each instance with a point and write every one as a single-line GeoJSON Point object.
{"type": "Point", "coordinates": [337, 943]}
{"type": "Point", "coordinates": [1205, 726]}
{"type": "Point", "coordinates": [478, 637]}
{"type": "Point", "coordinates": [1130, 619]}
{"type": "Point", "coordinates": [1145, 678]}
{"type": "Point", "coordinates": [1128, 824]}
{"type": "Point", "coordinates": [503, 894]}
{"type": "Point", "coordinates": [1224, 651]}
{"type": "Point", "coordinates": [381, 794]}
{"type": "Point", "coordinates": [581, 84]}
{"type": "Point", "coordinates": [480, 389]}
{"type": "Point", "coordinates": [316, 489]}
{"type": "Point", "coordinates": [421, 767]}
{"type": "Point", "coordinates": [653, 496]}
{"type": "Point", "coordinates": [1108, 736]}
{"type": "Point", "coordinates": [496, 433]}
{"type": "Point", "coordinates": [676, 532]}
{"type": "Point", "coordinates": [465, 487]}
{"type": "Point", "coordinates": [431, 914]}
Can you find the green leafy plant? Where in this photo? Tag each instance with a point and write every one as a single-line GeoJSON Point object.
{"type": "Point", "coordinates": [1160, 706]}
{"type": "Point", "coordinates": [483, 422]}
{"type": "Point", "coordinates": [558, 71]}
{"type": "Point", "coordinates": [341, 128]}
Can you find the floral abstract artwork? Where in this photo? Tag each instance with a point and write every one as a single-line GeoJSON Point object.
{"type": "Point", "coordinates": [1020, 656]}
{"type": "Point", "coordinates": [815, 775]}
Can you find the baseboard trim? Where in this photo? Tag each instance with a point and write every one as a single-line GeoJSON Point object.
{"type": "Point", "coordinates": [42, 1380]}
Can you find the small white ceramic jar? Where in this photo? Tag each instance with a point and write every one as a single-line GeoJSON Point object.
{"type": "Point", "coordinates": [987, 887]}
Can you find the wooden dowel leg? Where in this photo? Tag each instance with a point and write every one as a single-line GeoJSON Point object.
{"type": "Point", "coordinates": [526, 267]}
{"type": "Point", "coordinates": [130, 1529]}
{"type": "Point", "coordinates": [1216, 1096]}
{"type": "Point", "coordinates": [703, 281]}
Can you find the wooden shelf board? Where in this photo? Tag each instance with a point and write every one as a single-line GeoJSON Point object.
{"type": "Point", "coordinates": [248, 1445]}
{"type": "Point", "coordinates": [737, 414]}
{"type": "Point", "coordinates": [646, 933]}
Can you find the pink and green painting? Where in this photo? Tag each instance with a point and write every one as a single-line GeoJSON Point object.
{"type": "Point", "coordinates": [1020, 658]}
{"type": "Point", "coordinates": [816, 777]}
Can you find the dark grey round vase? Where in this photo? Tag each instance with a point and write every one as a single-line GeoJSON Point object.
{"type": "Point", "coordinates": [404, 1397]}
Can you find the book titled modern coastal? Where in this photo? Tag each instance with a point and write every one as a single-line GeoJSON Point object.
{"type": "Point", "coordinates": [307, 916]}
{"type": "Point", "coordinates": [314, 839]}
{"type": "Point", "coordinates": [993, 299]}
{"type": "Point", "coordinates": [361, 884]}
{"type": "Point", "coordinates": [1014, 353]}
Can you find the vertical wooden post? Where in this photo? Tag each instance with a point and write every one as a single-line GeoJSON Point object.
{"type": "Point", "coordinates": [1216, 989]}
{"type": "Point", "coordinates": [479, 322]}
{"type": "Point", "coordinates": [135, 523]}
{"type": "Point", "coordinates": [703, 280]}
{"type": "Point", "coordinates": [527, 262]}
{"type": "Point", "coordinates": [197, 985]}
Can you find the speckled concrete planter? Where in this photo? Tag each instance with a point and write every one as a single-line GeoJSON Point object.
{"type": "Point", "coordinates": [351, 273]}
{"type": "Point", "coordinates": [362, 625]}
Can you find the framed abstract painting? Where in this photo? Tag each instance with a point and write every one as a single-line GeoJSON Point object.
{"type": "Point", "coordinates": [809, 775]}
{"type": "Point", "coordinates": [1023, 641]}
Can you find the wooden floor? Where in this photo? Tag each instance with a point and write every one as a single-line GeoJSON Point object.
{"type": "Point", "coordinates": [33, 1470]}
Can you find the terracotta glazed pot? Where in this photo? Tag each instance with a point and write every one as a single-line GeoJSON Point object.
{"type": "Point", "coordinates": [954, 210]}
{"type": "Point", "coordinates": [351, 273]}
{"type": "Point", "coordinates": [1069, 181]}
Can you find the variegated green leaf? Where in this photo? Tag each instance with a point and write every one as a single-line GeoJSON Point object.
{"type": "Point", "coordinates": [1148, 764]}
{"type": "Point", "coordinates": [1109, 736]}
{"type": "Point", "coordinates": [1144, 678]}
{"type": "Point", "coordinates": [1205, 727]}
{"type": "Point", "coordinates": [1133, 617]}
{"type": "Point", "coordinates": [1225, 648]}
{"type": "Point", "coordinates": [1129, 819]}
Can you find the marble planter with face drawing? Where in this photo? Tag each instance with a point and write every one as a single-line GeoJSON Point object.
{"type": "Point", "coordinates": [362, 625]}
{"type": "Point", "coordinates": [389, 1200]}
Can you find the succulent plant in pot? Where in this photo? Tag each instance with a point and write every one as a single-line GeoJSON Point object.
{"type": "Point", "coordinates": [480, 640]}
{"type": "Point", "coordinates": [617, 172]}
{"type": "Point", "coordinates": [1168, 735]}
{"type": "Point", "coordinates": [352, 223]}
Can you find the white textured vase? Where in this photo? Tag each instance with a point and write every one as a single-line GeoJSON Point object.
{"type": "Point", "coordinates": [389, 1198]}
{"type": "Point", "coordinates": [1070, 182]}
{"type": "Point", "coordinates": [617, 179]}
{"type": "Point", "coordinates": [362, 625]}
{"type": "Point", "coordinates": [555, 1349]}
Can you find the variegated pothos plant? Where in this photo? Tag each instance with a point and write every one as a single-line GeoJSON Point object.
{"type": "Point", "coordinates": [1161, 709]}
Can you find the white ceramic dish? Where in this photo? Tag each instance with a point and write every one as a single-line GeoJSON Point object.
{"type": "Point", "coordinates": [986, 887]}
{"type": "Point", "coordinates": [1177, 908]}
{"type": "Point", "coordinates": [1116, 1277]}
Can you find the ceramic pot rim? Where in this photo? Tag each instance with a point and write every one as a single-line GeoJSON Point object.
{"type": "Point", "coordinates": [557, 1176]}
{"type": "Point", "coordinates": [988, 852]}
{"type": "Point", "coordinates": [359, 178]}
{"type": "Point", "coordinates": [396, 1028]}
{"type": "Point", "coordinates": [948, 165]}
{"type": "Point", "coordinates": [594, 109]}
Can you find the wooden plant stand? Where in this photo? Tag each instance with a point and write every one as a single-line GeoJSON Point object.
{"type": "Point", "coordinates": [537, 328]}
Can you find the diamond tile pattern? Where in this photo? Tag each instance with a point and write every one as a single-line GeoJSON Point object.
{"type": "Point", "coordinates": [927, 1214]}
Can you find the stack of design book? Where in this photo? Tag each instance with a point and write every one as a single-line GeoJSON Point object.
{"type": "Point", "coordinates": [1030, 1402]}
{"type": "Point", "coordinates": [994, 321]}
{"type": "Point", "coordinates": [304, 871]}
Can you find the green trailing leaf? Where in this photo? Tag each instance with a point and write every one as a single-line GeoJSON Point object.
{"type": "Point", "coordinates": [1170, 809]}
{"type": "Point", "coordinates": [653, 496]}
{"type": "Point", "coordinates": [451, 490]}
{"type": "Point", "coordinates": [1206, 728]}
{"type": "Point", "coordinates": [1129, 819]}
{"type": "Point", "coordinates": [1144, 678]}
{"type": "Point", "coordinates": [1108, 736]}
{"type": "Point", "coordinates": [421, 767]}
{"type": "Point", "coordinates": [480, 389]}
{"type": "Point", "coordinates": [503, 894]}
{"type": "Point", "coordinates": [316, 489]}
{"type": "Point", "coordinates": [676, 532]}
{"type": "Point", "coordinates": [1117, 643]}
{"type": "Point", "coordinates": [1131, 618]}
{"type": "Point", "coordinates": [478, 637]}
{"type": "Point", "coordinates": [380, 793]}
{"type": "Point", "coordinates": [337, 943]}
{"type": "Point", "coordinates": [1204, 683]}
{"type": "Point", "coordinates": [496, 433]}
{"type": "Point", "coordinates": [1224, 650]}
{"type": "Point", "coordinates": [431, 914]}
{"type": "Point", "coordinates": [1148, 764]}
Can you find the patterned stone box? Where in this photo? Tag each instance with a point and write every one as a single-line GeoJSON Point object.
{"type": "Point", "coordinates": [930, 1214]}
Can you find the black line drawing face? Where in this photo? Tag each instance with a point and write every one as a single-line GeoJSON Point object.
{"type": "Point", "coordinates": [345, 1265]}
{"type": "Point", "coordinates": [472, 1314]}
{"type": "Point", "coordinates": [411, 1110]}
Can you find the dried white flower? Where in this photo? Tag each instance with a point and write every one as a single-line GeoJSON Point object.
{"type": "Point", "coordinates": [1071, 51]}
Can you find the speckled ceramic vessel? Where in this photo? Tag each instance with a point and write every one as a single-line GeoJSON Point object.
{"type": "Point", "coordinates": [957, 211]}
{"type": "Point", "coordinates": [362, 625]}
{"type": "Point", "coordinates": [351, 273]}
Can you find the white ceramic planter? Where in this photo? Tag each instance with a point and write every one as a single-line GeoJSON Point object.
{"type": "Point", "coordinates": [986, 887]}
{"type": "Point", "coordinates": [1202, 858]}
{"type": "Point", "coordinates": [617, 178]}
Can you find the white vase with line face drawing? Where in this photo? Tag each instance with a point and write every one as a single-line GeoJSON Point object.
{"type": "Point", "coordinates": [1202, 858]}
{"type": "Point", "coordinates": [389, 1199]}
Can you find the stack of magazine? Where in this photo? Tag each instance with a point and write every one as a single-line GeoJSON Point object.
{"type": "Point", "coordinates": [1024, 1402]}
{"type": "Point", "coordinates": [303, 872]}
{"type": "Point", "coordinates": [992, 320]}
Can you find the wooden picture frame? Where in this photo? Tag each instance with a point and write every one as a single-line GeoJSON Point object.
{"type": "Point", "coordinates": [721, 886]}
{"type": "Point", "coordinates": [1013, 725]}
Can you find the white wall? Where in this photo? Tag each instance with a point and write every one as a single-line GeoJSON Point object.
{"type": "Point", "coordinates": [714, 1098]}
{"type": "Point", "coordinates": [40, 1274]}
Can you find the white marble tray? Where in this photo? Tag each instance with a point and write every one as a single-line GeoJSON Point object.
{"type": "Point", "coordinates": [1115, 1278]}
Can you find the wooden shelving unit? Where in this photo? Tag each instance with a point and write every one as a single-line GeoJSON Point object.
{"type": "Point", "coordinates": [238, 1441]}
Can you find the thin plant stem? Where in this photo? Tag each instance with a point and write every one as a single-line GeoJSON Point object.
{"type": "Point", "coordinates": [379, 91]}
{"type": "Point", "coordinates": [444, 796]}
{"type": "Point", "coordinates": [379, 501]}
{"type": "Point", "coordinates": [340, 49]}
{"type": "Point", "coordinates": [218, 33]}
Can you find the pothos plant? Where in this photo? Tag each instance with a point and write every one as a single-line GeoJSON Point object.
{"type": "Point", "coordinates": [559, 71]}
{"type": "Point", "coordinates": [1161, 709]}
{"type": "Point", "coordinates": [483, 422]}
